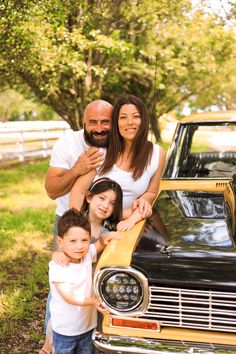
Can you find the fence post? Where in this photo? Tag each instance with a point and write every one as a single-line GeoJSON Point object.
{"type": "Point", "coordinates": [45, 143]}
{"type": "Point", "coordinates": [21, 146]}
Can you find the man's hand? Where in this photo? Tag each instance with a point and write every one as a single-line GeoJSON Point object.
{"type": "Point", "coordinates": [89, 159]}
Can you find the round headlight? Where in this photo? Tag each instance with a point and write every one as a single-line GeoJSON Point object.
{"type": "Point", "coordinates": [121, 291]}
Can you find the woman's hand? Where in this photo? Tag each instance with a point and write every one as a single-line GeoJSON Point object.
{"type": "Point", "coordinates": [143, 206]}
{"type": "Point", "coordinates": [136, 216]}
{"type": "Point", "coordinates": [125, 225]}
{"type": "Point", "coordinates": [60, 258]}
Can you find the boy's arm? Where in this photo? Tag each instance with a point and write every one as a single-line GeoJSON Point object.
{"type": "Point", "coordinates": [103, 241]}
{"type": "Point", "coordinates": [80, 188]}
{"type": "Point", "coordinates": [66, 293]}
{"type": "Point", "coordinates": [64, 289]}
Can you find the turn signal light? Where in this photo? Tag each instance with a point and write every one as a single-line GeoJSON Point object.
{"type": "Point", "coordinates": [121, 322]}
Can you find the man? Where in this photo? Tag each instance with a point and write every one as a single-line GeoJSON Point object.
{"type": "Point", "coordinates": [77, 152]}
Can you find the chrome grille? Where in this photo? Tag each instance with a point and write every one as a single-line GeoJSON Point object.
{"type": "Point", "coordinates": [198, 309]}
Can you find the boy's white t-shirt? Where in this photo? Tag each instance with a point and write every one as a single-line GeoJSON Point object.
{"type": "Point", "coordinates": [66, 319]}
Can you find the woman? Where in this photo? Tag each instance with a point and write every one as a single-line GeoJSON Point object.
{"type": "Point", "coordinates": [131, 160]}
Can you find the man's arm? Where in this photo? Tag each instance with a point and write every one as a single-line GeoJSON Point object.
{"type": "Point", "coordinates": [59, 181]}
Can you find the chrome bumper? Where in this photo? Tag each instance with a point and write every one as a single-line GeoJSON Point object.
{"type": "Point", "coordinates": [108, 344]}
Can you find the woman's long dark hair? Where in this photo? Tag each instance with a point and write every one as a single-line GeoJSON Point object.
{"type": "Point", "coordinates": [141, 149]}
{"type": "Point", "coordinates": [102, 185]}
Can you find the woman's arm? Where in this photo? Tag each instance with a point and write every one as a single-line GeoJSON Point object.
{"type": "Point", "coordinates": [80, 188]}
{"type": "Point", "coordinates": [150, 194]}
{"type": "Point", "coordinates": [129, 222]}
{"type": "Point", "coordinates": [142, 206]}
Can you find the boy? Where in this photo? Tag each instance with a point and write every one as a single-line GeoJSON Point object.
{"type": "Point", "coordinates": [73, 305]}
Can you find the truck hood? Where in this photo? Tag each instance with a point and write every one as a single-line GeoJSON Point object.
{"type": "Point", "coordinates": [188, 241]}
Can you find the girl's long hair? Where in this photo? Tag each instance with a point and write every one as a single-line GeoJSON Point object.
{"type": "Point", "coordinates": [102, 185]}
{"type": "Point", "coordinates": [141, 149]}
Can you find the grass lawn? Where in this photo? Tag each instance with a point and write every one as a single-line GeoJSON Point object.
{"type": "Point", "coordinates": [27, 216]}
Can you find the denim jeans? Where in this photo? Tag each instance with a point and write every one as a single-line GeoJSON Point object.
{"type": "Point", "coordinates": [80, 344]}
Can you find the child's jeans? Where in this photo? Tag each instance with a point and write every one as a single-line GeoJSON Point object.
{"type": "Point", "coordinates": [80, 344]}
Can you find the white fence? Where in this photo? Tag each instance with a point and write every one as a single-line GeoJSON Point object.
{"type": "Point", "coordinates": [21, 140]}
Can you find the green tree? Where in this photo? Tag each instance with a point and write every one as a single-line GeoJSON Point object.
{"type": "Point", "coordinates": [13, 104]}
{"type": "Point", "coordinates": [70, 52]}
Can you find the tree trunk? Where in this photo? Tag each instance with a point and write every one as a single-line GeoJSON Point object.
{"type": "Point", "coordinates": [155, 126]}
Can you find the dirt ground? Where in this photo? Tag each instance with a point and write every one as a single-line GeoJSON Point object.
{"type": "Point", "coordinates": [20, 341]}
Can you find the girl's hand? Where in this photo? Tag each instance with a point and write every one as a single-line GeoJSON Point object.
{"type": "Point", "coordinates": [143, 206]}
{"type": "Point", "coordinates": [60, 258]}
{"type": "Point", "coordinates": [113, 235]}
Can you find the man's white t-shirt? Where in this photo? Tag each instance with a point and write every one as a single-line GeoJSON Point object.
{"type": "Point", "coordinates": [70, 320]}
{"type": "Point", "coordinates": [65, 153]}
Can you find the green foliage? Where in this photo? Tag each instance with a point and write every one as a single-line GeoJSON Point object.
{"type": "Point", "coordinates": [71, 52]}
{"type": "Point", "coordinates": [14, 104]}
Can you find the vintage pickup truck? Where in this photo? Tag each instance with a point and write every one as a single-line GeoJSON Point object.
{"type": "Point", "coordinates": [170, 282]}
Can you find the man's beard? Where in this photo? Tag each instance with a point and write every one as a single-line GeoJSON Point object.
{"type": "Point", "coordinates": [90, 138]}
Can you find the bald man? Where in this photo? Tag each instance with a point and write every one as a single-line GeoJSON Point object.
{"type": "Point", "coordinates": [77, 152]}
{"type": "Point", "coordinates": [74, 154]}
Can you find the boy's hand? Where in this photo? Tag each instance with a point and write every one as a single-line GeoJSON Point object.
{"type": "Point", "coordinates": [60, 258]}
{"type": "Point", "coordinates": [113, 235]}
{"type": "Point", "coordinates": [100, 308]}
